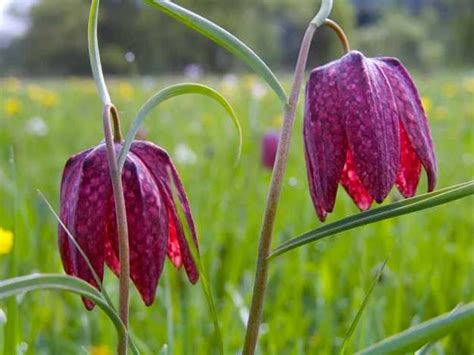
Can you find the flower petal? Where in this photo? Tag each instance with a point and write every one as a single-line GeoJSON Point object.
{"type": "Point", "coordinates": [324, 138]}
{"type": "Point", "coordinates": [90, 215]}
{"type": "Point", "coordinates": [68, 197]}
{"type": "Point", "coordinates": [410, 167]}
{"type": "Point", "coordinates": [351, 183]}
{"type": "Point", "coordinates": [371, 120]}
{"type": "Point", "coordinates": [147, 227]}
{"type": "Point", "coordinates": [159, 163]}
{"type": "Point", "coordinates": [412, 115]}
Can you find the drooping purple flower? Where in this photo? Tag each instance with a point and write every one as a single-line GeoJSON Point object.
{"type": "Point", "coordinates": [88, 211]}
{"type": "Point", "coordinates": [365, 127]}
{"type": "Point", "coordinates": [269, 148]}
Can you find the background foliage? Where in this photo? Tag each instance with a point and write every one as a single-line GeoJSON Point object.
{"type": "Point", "coordinates": [426, 33]}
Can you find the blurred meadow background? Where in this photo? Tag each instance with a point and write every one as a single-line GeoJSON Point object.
{"type": "Point", "coordinates": [49, 110]}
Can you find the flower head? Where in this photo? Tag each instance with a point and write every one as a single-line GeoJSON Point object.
{"type": "Point", "coordinates": [365, 127]}
{"type": "Point", "coordinates": [87, 209]}
{"type": "Point", "coordinates": [269, 148]}
{"type": "Point", "coordinates": [6, 241]}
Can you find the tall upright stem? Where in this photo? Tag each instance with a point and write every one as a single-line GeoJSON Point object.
{"type": "Point", "coordinates": [256, 309]}
{"type": "Point", "coordinates": [121, 217]}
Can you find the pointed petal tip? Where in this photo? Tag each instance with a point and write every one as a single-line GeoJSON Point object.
{"type": "Point", "coordinates": [88, 303]}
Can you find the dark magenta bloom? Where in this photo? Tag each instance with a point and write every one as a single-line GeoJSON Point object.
{"type": "Point", "coordinates": [269, 148]}
{"type": "Point", "coordinates": [364, 126]}
{"type": "Point", "coordinates": [88, 211]}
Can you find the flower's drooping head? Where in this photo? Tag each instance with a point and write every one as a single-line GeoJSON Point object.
{"type": "Point", "coordinates": [269, 148]}
{"type": "Point", "coordinates": [364, 126]}
{"type": "Point", "coordinates": [88, 211]}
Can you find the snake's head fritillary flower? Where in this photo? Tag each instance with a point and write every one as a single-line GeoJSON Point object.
{"type": "Point", "coordinates": [88, 211]}
{"type": "Point", "coordinates": [269, 148]}
{"type": "Point", "coordinates": [365, 127]}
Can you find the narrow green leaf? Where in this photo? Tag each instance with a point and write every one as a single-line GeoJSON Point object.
{"type": "Point", "coordinates": [35, 282]}
{"type": "Point", "coordinates": [83, 254]}
{"type": "Point", "coordinates": [431, 330]}
{"type": "Point", "coordinates": [202, 271]}
{"type": "Point", "coordinates": [168, 93]}
{"type": "Point", "coordinates": [224, 39]}
{"type": "Point", "coordinates": [407, 206]}
{"type": "Point", "coordinates": [356, 320]}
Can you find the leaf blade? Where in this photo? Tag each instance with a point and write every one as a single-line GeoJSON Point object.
{"type": "Point", "coordinates": [168, 93]}
{"type": "Point", "coordinates": [428, 331]}
{"type": "Point", "coordinates": [396, 209]}
{"type": "Point", "coordinates": [35, 282]}
{"type": "Point", "coordinates": [224, 39]}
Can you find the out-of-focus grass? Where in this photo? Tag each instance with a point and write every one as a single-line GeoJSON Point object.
{"type": "Point", "coordinates": [314, 292]}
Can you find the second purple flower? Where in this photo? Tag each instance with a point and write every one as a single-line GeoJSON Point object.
{"type": "Point", "coordinates": [364, 126]}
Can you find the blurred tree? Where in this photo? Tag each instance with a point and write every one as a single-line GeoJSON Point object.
{"type": "Point", "coordinates": [56, 42]}
{"type": "Point", "coordinates": [424, 32]}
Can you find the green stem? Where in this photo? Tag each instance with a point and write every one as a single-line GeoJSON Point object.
{"type": "Point", "coordinates": [121, 216]}
{"type": "Point", "coordinates": [273, 197]}
{"type": "Point", "coordinates": [94, 56]}
{"type": "Point", "coordinates": [260, 284]}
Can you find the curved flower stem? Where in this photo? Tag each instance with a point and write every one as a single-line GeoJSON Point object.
{"type": "Point", "coordinates": [94, 54]}
{"type": "Point", "coordinates": [333, 25]}
{"type": "Point", "coordinates": [256, 309]}
{"type": "Point", "coordinates": [109, 110]}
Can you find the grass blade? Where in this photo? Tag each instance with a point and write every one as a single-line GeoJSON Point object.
{"type": "Point", "coordinates": [407, 206]}
{"type": "Point", "coordinates": [168, 93]}
{"type": "Point", "coordinates": [431, 330]}
{"type": "Point", "coordinates": [354, 323]}
{"type": "Point", "coordinates": [224, 39]}
{"type": "Point", "coordinates": [35, 282]}
{"type": "Point", "coordinates": [83, 254]}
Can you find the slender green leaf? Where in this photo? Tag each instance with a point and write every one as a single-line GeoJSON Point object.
{"type": "Point", "coordinates": [202, 271]}
{"type": "Point", "coordinates": [17, 285]}
{"type": "Point", "coordinates": [168, 93]}
{"type": "Point", "coordinates": [12, 327]}
{"type": "Point", "coordinates": [431, 330]}
{"type": "Point", "coordinates": [356, 320]}
{"type": "Point", "coordinates": [407, 206]}
{"type": "Point", "coordinates": [224, 39]}
{"type": "Point", "coordinates": [35, 282]}
{"type": "Point", "coordinates": [78, 247]}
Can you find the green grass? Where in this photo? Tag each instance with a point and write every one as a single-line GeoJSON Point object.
{"type": "Point", "coordinates": [314, 292]}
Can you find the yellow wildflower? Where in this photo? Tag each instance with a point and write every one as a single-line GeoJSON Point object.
{"type": "Point", "coordinates": [99, 350]}
{"type": "Point", "coordinates": [49, 99]}
{"type": "Point", "coordinates": [12, 106]}
{"type": "Point", "coordinates": [426, 101]}
{"type": "Point", "coordinates": [6, 241]}
{"type": "Point", "coordinates": [125, 91]}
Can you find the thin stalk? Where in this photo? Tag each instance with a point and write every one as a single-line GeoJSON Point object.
{"type": "Point", "coordinates": [333, 25]}
{"type": "Point", "coordinates": [109, 110]}
{"type": "Point", "coordinates": [256, 309]}
{"type": "Point", "coordinates": [94, 54]}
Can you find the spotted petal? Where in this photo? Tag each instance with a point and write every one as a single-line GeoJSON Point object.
{"type": "Point", "coordinates": [371, 119]}
{"type": "Point", "coordinates": [90, 212]}
{"type": "Point", "coordinates": [324, 138]}
{"type": "Point", "coordinates": [160, 165]}
{"type": "Point", "coordinates": [412, 115]}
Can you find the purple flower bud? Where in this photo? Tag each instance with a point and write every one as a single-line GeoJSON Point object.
{"type": "Point", "coordinates": [88, 211]}
{"type": "Point", "coordinates": [364, 126]}
{"type": "Point", "coordinates": [269, 148]}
